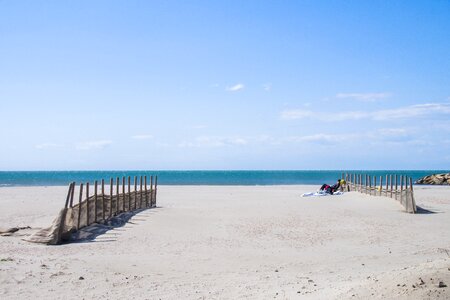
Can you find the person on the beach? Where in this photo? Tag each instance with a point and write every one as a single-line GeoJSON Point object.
{"type": "Point", "coordinates": [331, 189]}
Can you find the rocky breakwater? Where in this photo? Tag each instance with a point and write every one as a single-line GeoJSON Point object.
{"type": "Point", "coordinates": [438, 179]}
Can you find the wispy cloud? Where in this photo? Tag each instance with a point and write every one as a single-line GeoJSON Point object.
{"type": "Point", "coordinates": [368, 97]}
{"type": "Point", "coordinates": [48, 145]}
{"type": "Point", "coordinates": [213, 142]}
{"type": "Point", "coordinates": [267, 87]}
{"type": "Point", "coordinates": [93, 145]}
{"type": "Point", "coordinates": [142, 137]}
{"type": "Point", "coordinates": [379, 115]}
{"type": "Point", "coordinates": [236, 87]}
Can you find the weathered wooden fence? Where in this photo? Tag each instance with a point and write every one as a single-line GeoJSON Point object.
{"type": "Point", "coordinates": [99, 205]}
{"type": "Point", "coordinates": [398, 187]}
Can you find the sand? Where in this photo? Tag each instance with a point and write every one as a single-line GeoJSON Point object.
{"type": "Point", "coordinates": [235, 242]}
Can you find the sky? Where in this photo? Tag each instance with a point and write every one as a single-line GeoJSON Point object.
{"type": "Point", "coordinates": [200, 85]}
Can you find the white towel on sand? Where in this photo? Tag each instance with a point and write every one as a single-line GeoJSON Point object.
{"type": "Point", "coordinates": [321, 193]}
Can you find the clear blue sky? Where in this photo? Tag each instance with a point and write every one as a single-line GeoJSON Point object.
{"type": "Point", "coordinates": [224, 85]}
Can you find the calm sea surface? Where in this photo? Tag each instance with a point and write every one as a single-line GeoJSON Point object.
{"type": "Point", "coordinates": [36, 178]}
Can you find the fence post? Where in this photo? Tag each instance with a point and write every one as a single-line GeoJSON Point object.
{"type": "Point", "coordinates": [413, 201]}
{"type": "Point", "coordinates": [95, 201]}
{"type": "Point", "coordinates": [374, 180]}
{"type": "Point", "coordinates": [401, 189]}
{"type": "Point", "coordinates": [87, 203]}
{"type": "Point", "coordinates": [68, 195]}
{"type": "Point", "coordinates": [406, 194]}
{"type": "Point", "coordinates": [80, 199]}
{"type": "Point", "coordinates": [396, 186]}
{"type": "Point", "coordinates": [381, 185]}
{"type": "Point", "coordinates": [103, 199]}
{"type": "Point", "coordinates": [156, 187]}
{"type": "Point", "coordinates": [129, 193]}
{"type": "Point", "coordinates": [111, 187]}
{"type": "Point", "coordinates": [146, 195]}
{"type": "Point", "coordinates": [135, 192]}
{"type": "Point", "coordinates": [387, 185]}
{"type": "Point", "coordinates": [123, 193]}
{"type": "Point", "coordinates": [140, 192]}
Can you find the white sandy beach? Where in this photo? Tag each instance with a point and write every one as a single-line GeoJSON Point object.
{"type": "Point", "coordinates": [235, 242]}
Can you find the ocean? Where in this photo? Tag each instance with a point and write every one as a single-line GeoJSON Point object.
{"type": "Point", "coordinates": [316, 177]}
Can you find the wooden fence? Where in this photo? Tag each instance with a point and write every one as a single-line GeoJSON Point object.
{"type": "Point", "coordinates": [398, 187]}
{"type": "Point", "coordinates": [98, 206]}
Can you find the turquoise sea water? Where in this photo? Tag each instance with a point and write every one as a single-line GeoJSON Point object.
{"type": "Point", "coordinates": [43, 178]}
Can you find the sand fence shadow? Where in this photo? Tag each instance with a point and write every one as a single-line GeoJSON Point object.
{"type": "Point", "coordinates": [424, 211]}
{"type": "Point", "coordinates": [110, 229]}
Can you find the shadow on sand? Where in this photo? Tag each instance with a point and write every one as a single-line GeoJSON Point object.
{"type": "Point", "coordinates": [424, 211]}
{"type": "Point", "coordinates": [108, 231]}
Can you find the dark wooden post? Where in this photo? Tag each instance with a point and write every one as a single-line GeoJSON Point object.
{"type": "Point", "coordinates": [95, 201]}
{"type": "Point", "coordinates": [391, 183]}
{"type": "Point", "coordinates": [68, 195]}
{"type": "Point", "coordinates": [87, 203]}
{"type": "Point", "coordinates": [80, 199]}
{"type": "Point", "coordinates": [129, 193]}
{"type": "Point", "coordinates": [401, 189]}
{"type": "Point", "coordinates": [146, 195]}
{"type": "Point", "coordinates": [387, 184]}
{"type": "Point", "coordinates": [396, 186]}
{"type": "Point", "coordinates": [374, 185]}
{"type": "Point", "coordinates": [135, 192]}
{"type": "Point", "coordinates": [111, 187]}
{"type": "Point", "coordinates": [140, 191]}
{"type": "Point", "coordinates": [156, 187]}
{"type": "Point", "coordinates": [117, 194]}
{"type": "Point", "coordinates": [103, 199]}
{"type": "Point", "coordinates": [123, 193]}
{"type": "Point", "coordinates": [151, 191]}
{"type": "Point", "coordinates": [381, 185]}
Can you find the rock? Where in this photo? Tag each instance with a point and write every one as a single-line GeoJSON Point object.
{"type": "Point", "coordinates": [436, 179]}
{"type": "Point", "coordinates": [81, 278]}
{"type": "Point", "coordinates": [442, 284]}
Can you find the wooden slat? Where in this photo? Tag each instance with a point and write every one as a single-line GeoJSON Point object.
{"type": "Point", "coordinates": [151, 191]}
{"type": "Point", "coordinates": [401, 189]}
{"type": "Point", "coordinates": [396, 186]}
{"type": "Point", "coordinates": [80, 199]}
{"type": "Point", "coordinates": [135, 192]}
{"type": "Point", "coordinates": [387, 184]}
{"type": "Point", "coordinates": [413, 201]}
{"type": "Point", "coordinates": [381, 185]}
{"type": "Point", "coordinates": [68, 195]}
{"type": "Point", "coordinates": [391, 183]}
{"type": "Point", "coordinates": [129, 193]}
{"type": "Point", "coordinates": [156, 188]}
{"type": "Point", "coordinates": [111, 188]}
{"type": "Point", "coordinates": [95, 201]}
{"type": "Point", "coordinates": [146, 195]}
{"type": "Point", "coordinates": [87, 203]}
{"type": "Point", "coordinates": [117, 194]}
{"type": "Point", "coordinates": [103, 199]}
{"type": "Point", "coordinates": [140, 192]}
{"type": "Point", "coordinates": [123, 193]}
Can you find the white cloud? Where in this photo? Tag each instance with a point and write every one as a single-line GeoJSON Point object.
{"type": "Point", "coordinates": [235, 87]}
{"type": "Point", "coordinates": [214, 142]}
{"type": "Point", "coordinates": [412, 111]}
{"type": "Point", "coordinates": [267, 87]}
{"type": "Point", "coordinates": [363, 96]}
{"type": "Point", "coordinates": [48, 145]}
{"type": "Point", "coordinates": [379, 115]}
{"type": "Point", "coordinates": [142, 137]}
{"type": "Point", "coordinates": [93, 145]}
{"type": "Point", "coordinates": [294, 114]}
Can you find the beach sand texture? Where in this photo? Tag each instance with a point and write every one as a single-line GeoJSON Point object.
{"type": "Point", "coordinates": [235, 242]}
